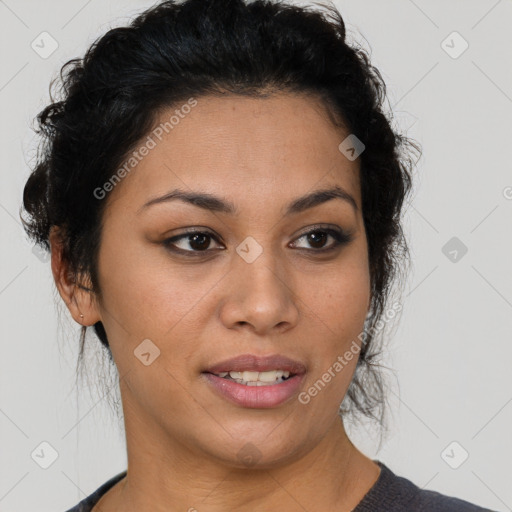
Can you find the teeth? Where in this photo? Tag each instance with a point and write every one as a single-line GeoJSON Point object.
{"type": "Point", "coordinates": [271, 376]}
{"type": "Point", "coordinates": [251, 378]}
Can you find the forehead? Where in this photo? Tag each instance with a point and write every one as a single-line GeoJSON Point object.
{"type": "Point", "coordinates": [281, 146]}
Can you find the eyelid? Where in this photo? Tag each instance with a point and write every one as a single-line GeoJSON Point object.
{"type": "Point", "coordinates": [340, 236]}
{"type": "Point", "coordinates": [169, 242]}
{"type": "Point", "coordinates": [319, 227]}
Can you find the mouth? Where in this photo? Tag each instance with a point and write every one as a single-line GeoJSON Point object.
{"type": "Point", "coordinates": [256, 382]}
{"type": "Point", "coordinates": [251, 378]}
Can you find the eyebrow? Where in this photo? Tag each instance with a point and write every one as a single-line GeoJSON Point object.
{"type": "Point", "coordinates": [216, 204]}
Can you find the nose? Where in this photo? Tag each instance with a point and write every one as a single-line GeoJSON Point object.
{"type": "Point", "coordinates": [259, 295]}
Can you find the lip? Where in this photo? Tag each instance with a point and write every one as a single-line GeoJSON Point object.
{"type": "Point", "coordinates": [251, 362]}
{"type": "Point", "coordinates": [255, 397]}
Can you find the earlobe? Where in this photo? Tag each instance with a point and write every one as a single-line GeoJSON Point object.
{"type": "Point", "coordinates": [76, 296]}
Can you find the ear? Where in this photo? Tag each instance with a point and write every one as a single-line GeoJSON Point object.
{"type": "Point", "coordinates": [79, 301]}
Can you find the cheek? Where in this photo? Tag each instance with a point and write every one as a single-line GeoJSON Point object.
{"type": "Point", "coordinates": [337, 313]}
{"type": "Point", "coordinates": [143, 291]}
{"type": "Point", "coordinates": [341, 302]}
{"type": "Point", "coordinates": [146, 298]}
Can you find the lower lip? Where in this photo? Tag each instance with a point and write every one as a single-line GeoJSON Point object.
{"type": "Point", "coordinates": [257, 397]}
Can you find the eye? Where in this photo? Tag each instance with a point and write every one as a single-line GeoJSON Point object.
{"type": "Point", "coordinates": [317, 239]}
{"type": "Point", "coordinates": [199, 241]}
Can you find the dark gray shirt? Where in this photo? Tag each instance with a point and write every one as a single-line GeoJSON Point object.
{"type": "Point", "coordinates": [390, 493]}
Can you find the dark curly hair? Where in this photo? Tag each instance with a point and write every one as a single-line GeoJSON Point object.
{"type": "Point", "coordinates": [111, 98]}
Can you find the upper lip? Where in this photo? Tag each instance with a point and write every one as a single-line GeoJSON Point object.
{"type": "Point", "coordinates": [251, 362]}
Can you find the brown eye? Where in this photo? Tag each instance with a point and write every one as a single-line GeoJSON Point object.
{"type": "Point", "coordinates": [317, 239]}
{"type": "Point", "coordinates": [198, 243]}
{"type": "Point", "coordinates": [191, 242]}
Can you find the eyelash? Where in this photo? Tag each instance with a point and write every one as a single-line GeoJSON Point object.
{"type": "Point", "coordinates": [340, 239]}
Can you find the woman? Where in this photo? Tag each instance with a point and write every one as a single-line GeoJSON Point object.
{"type": "Point", "coordinates": [221, 194]}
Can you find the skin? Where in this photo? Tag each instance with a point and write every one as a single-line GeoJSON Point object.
{"type": "Point", "coordinates": [183, 439]}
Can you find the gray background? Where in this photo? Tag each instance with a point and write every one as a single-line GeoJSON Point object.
{"type": "Point", "coordinates": [451, 352]}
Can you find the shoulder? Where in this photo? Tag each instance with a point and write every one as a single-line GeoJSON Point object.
{"type": "Point", "coordinates": [88, 503]}
{"type": "Point", "coordinates": [392, 493]}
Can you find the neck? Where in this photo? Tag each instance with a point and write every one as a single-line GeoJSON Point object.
{"type": "Point", "coordinates": [164, 475]}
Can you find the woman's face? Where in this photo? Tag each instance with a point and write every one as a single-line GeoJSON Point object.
{"type": "Point", "coordinates": [252, 282]}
